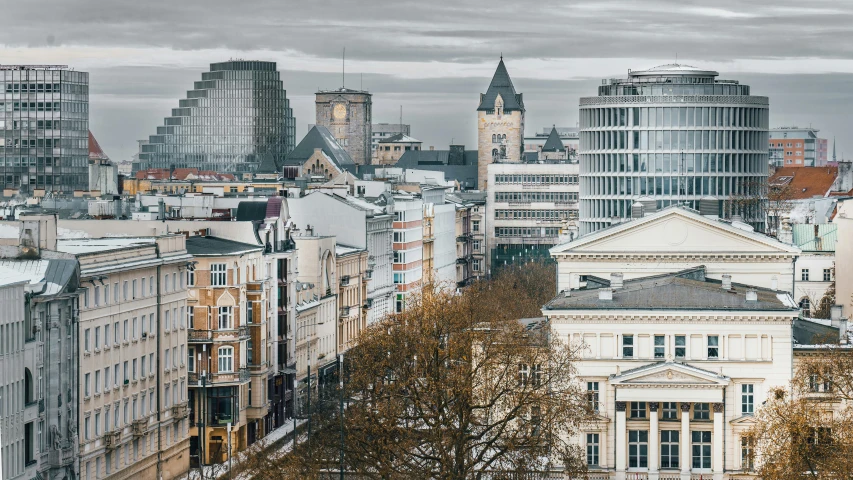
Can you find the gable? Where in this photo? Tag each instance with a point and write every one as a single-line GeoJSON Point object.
{"type": "Point", "coordinates": [672, 376]}
{"type": "Point", "coordinates": [226, 300]}
{"type": "Point", "coordinates": [673, 231]}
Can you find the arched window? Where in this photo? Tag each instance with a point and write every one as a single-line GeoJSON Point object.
{"type": "Point", "coordinates": [29, 388]}
{"type": "Point", "coordinates": [225, 356]}
{"type": "Point", "coordinates": [503, 137]}
{"type": "Point", "coordinates": [494, 153]}
{"type": "Point", "coordinates": [806, 305]}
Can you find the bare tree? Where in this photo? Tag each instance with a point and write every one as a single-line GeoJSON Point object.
{"type": "Point", "coordinates": [456, 387]}
{"type": "Point", "coordinates": [807, 432]}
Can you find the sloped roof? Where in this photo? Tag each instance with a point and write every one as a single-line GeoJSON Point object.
{"type": "Point", "coordinates": [816, 237]}
{"type": "Point", "coordinates": [805, 182]}
{"type": "Point", "coordinates": [213, 246]}
{"type": "Point", "coordinates": [319, 137]}
{"type": "Point", "coordinates": [501, 85]}
{"type": "Point", "coordinates": [95, 150]}
{"type": "Point", "coordinates": [674, 292]}
{"type": "Point", "coordinates": [251, 211]}
{"type": "Point", "coordinates": [268, 165]}
{"type": "Point", "coordinates": [400, 138]}
{"type": "Point", "coordinates": [810, 332]}
{"type": "Point", "coordinates": [417, 158]}
{"type": "Point", "coordinates": [554, 143]}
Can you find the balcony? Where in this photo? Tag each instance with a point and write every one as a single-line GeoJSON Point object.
{"type": "Point", "coordinates": [345, 311]}
{"type": "Point", "coordinates": [199, 336]}
{"type": "Point", "coordinates": [240, 376]}
{"type": "Point", "coordinates": [139, 427]}
{"type": "Point", "coordinates": [344, 281]}
{"type": "Point", "coordinates": [180, 410]}
{"type": "Point", "coordinates": [112, 439]}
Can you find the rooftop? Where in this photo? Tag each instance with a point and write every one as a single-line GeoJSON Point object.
{"type": "Point", "coordinates": [672, 69]}
{"type": "Point", "coordinates": [501, 85]}
{"type": "Point", "coordinates": [78, 246]}
{"type": "Point", "coordinates": [11, 277]}
{"type": "Point", "coordinates": [684, 290]}
{"type": "Point", "coordinates": [214, 246]}
{"type": "Point", "coordinates": [341, 250]}
{"type": "Point", "coordinates": [815, 237]}
{"type": "Point", "coordinates": [48, 277]}
{"type": "Point", "coordinates": [804, 182]}
{"type": "Point", "coordinates": [319, 137]}
{"type": "Point", "coordinates": [400, 138]}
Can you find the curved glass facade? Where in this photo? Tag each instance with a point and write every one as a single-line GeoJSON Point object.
{"type": "Point", "coordinates": [661, 136]}
{"type": "Point", "coordinates": [237, 117]}
{"type": "Point", "coordinates": [44, 128]}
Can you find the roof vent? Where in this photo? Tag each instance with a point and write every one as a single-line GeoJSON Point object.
{"type": "Point", "coordinates": [727, 282]}
{"type": "Point", "coordinates": [637, 210]}
{"type": "Point", "coordinates": [751, 296]}
{"type": "Point", "coordinates": [605, 294]}
{"type": "Point", "coordinates": [567, 292]}
{"type": "Point", "coordinates": [616, 281]}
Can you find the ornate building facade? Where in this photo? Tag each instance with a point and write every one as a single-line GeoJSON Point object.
{"type": "Point", "coordinates": [348, 114]}
{"type": "Point", "coordinates": [500, 125]}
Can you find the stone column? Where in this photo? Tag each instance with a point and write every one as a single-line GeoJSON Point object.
{"type": "Point", "coordinates": [717, 442]}
{"type": "Point", "coordinates": [621, 441]}
{"type": "Point", "coordinates": [686, 460]}
{"type": "Point", "coordinates": [654, 441]}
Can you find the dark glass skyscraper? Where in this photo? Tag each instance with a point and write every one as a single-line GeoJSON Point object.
{"type": "Point", "coordinates": [44, 128]}
{"type": "Point", "coordinates": [235, 119]}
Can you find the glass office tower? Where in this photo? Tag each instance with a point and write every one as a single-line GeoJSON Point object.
{"type": "Point", "coordinates": [236, 118]}
{"type": "Point", "coordinates": [673, 134]}
{"type": "Point", "coordinates": [44, 129]}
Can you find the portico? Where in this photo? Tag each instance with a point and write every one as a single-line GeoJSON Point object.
{"type": "Point", "coordinates": [669, 421]}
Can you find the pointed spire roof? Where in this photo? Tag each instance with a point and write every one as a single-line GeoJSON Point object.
{"type": "Point", "coordinates": [319, 137]}
{"type": "Point", "coordinates": [501, 85]}
{"type": "Point", "coordinates": [553, 144]}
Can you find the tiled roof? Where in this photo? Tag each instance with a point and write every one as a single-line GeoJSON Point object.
{"type": "Point", "coordinates": [95, 150]}
{"type": "Point", "coordinates": [553, 144]}
{"type": "Point", "coordinates": [319, 137]}
{"type": "Point", "coordinates": [675, 291]}
{"type": "Point", "coordinates": [805, 182]}
{"type": "Point", "coordinates": [400, 138]}
{"type": "Point", "coordinates": [212, 246]}
{"type": "Point", "coordinates": [501, 85]}
{"type": "Point", "coordinates": [816, 237]}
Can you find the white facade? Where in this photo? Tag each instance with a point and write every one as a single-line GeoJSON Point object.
{"type": "Point", "coordinates": [527, 204]}
{"type": "Point", "coordinates": [444, 245]}
{"type": "Point", "coordinates": [674, 239]}
{"type": "Point", "coordinates": [675, 366]}
{"type": "Point", "coordinates": [844, 257]}
{"type": "Point", "coordinates": [15, 453]}
{"type": "Point", "coordinates": [408, 246]}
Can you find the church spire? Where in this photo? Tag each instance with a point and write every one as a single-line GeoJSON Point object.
{"type": "Point", "coordinates": [501, 84]}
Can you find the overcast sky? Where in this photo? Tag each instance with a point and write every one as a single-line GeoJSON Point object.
{"type": "Point", "coordinates": [435, 57]}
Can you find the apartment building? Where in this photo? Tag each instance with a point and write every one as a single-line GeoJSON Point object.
{"type": "Point", "coordinates": [351, 268]}
{"type": "Point", "coordinates": [224, 301]}
{"type": "Point", "coordinates": [315, 336]}
{"type": "Point", "coordinates": [132, 363]}
{"type": "Point", "coordinates": [408, 246]}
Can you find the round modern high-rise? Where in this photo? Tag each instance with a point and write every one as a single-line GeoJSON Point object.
{"type": "Point", "coordinates": [672, 134]}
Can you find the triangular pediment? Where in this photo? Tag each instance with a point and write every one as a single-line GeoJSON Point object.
{"type": "Point", "coordinates": [668, 373]}
{"type": "Point", "coordinates": [675, 230]}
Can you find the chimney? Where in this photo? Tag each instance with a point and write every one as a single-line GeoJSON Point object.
{"type": "Point", "coordinates": [786, 231]}
{"type": "Point", "coordinates": [567, 292]}
{"type": "Point", "coordinates": [727, 282]}
{"type": "Point", "coordinates": [751, 296]}
{"type": "Point", "coordinates": [616, 281]}
{"type": "Point", "coordinates": [839, 322]}
{"type": "Point", "coordinates": [431, 148]}
{"type": "Point", "coordinates": [605, 294]}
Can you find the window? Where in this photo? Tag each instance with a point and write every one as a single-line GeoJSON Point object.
{"type": "Point", "coordinates": [191, 278]}
{"type": "Point", "coordinates": [166, 358]}
{"type": "Point", "coordinates": [701, 449]}
{"type": "Point", "coordinates": [175, 280]}
{"type": "Point", "coordinates": [143, 286]}
{"type": "Point", "coordinates": [669, 448]}
{"type": "Point", "coordinates": [166, 283]}
{"type": "Point", "coordinates": [134, 288]}
{"type": "Point", "coordinates": [592, 448]}
{"type": "Point", "coordinates": [638, 409]}
{"type": "Point", "coordinates": [151, 285]}
{"type": "Point", "coordinates": [225, 356]}
{"type": "Point", "coordinates": [116, 333]}
{"type": "Point", "coordinates": [660, 346]}
{"type": "Point", "coordinates": [747, 456]}
{"type": "Point", "coordinates": [713, 346]}
{"type": "Point", "coordinates": [86, 386]}
{"type": "Point", "coordinates": [86, 428]}
{"type": "Point", "coordinates": [475, 225]}
{"type": "Point", "coordinates": [97, 295]}
{"type": "Point", "coordinates": [166, 395]}
{"type": "Point", "coordinates": [106, 335]}
{"type": "Point", "coordinates": [806, 305]}
{"type": "Point", "coordinates": [86, 339]}
{"type": "Point", "coordinates": [592, 395]}
{"type": "Point", "coordinates": [476, 245]}
{"type": "Point", "coordinates": [166, 320]}
{"type": "Point", "coordinates": [97, 338]}
{"type": "Point", "coordinates": [191, 359]}
{"type": "Point", "coordinates": [627, 346]}
{"type": "Point", "coordinates": [747, 398]}
{"type": "Point", "coordinates": [638, 448]}
{"type": "Point", "coordinates": [804, 274]}
{"type": "Point", "coordinates": [217, 274]}
{"type": "Point", "coordinates": [523, 374]}
{"type": "Point", "coordinates": [226, 317]}
{"type": "Point", "coordinates": [115, 375]}
{"type": "Point", "coordinates": [125, 330]}
{"type": "Point", "coordinates": [702, 411]}
{"type": "Point", "coordinates": [97, 381]}
{"type": "Point", "coordinates": [670, 410]}
{"type": "Point", "coordinates": [142, 370]}
{"type": "Point", "coordinates": [250, 347]}
{"type": "Point", "coordinates": [135, 328]}
{"type": "Point", "coordinates": [126, 372]}
{"type": "Point", "coordinates": [106, 378]}
{"type": "Point", "coordinates": [680, 346]}
{"type": "Point", "coordinates": [827, 274]}
{"type": "Point", "coordinates": [115, 292]}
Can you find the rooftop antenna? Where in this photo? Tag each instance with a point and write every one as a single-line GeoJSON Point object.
{"type": "Point", "coordinates": [344, 69]}
{"type": "Point", "coordinates": [401, 119]}
{"type": "Point", "coordinates": [361, 82]}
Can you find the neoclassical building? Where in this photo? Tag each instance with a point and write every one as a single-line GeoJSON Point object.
{"type": "Point", "coordinates": [674, 366]}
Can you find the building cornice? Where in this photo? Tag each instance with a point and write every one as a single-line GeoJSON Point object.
{"type": "Point", "coordinates": [700, 257]}
{"type": "Point", "coordinates": [575, 317]}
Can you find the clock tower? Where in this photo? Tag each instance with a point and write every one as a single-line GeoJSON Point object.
{"type": "Point", "coordinates": [348, 114]}
{"type": "Point", "coordinates": [500, 125]}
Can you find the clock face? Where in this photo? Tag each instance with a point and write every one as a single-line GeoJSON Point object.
{"type": "Point", "coordinates": [339, 112]}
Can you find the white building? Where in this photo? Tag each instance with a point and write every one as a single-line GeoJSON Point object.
{"type": "Point", "coordinates": [674, 239]}
{"type": "Point", "coordinates": [675, 365]}
{"type": "Point", "coordinates": [408, 246]}
{"type": "Point", "coordinates": [815, 266]}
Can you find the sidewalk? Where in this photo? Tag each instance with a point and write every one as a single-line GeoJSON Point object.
{"type": "Point", "coordinates": [219, 470]}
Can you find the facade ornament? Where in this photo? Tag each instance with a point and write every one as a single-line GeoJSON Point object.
{"type": "Point", "coordinates": [55, 437]}
{"type": "Point", "coordinates": [685, 406]}
{"type": "Point", "coordinates": [621, 406]}
{"type": "Point", "coordinates": [718, 408]}
{"type": "Point", "coordinates": [653, 406]}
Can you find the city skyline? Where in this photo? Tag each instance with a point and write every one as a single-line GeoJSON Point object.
{"type": "Point", "coordinates": [141, 61]}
